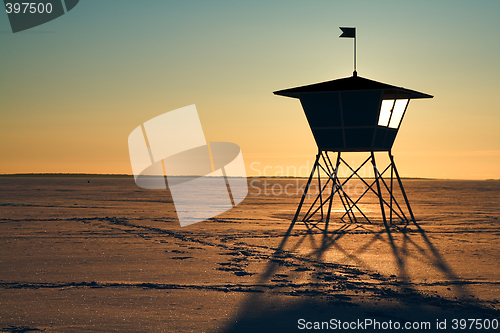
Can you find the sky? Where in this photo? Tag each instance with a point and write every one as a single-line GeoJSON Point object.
{"type": "Point", "coordinates": [73, 89]}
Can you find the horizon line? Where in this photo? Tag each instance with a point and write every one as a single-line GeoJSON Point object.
{"type": "Point", "coordinates": [124, 175]}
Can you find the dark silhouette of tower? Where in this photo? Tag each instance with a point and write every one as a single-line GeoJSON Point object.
{"type": "Point", "coordinates": [353, 114]}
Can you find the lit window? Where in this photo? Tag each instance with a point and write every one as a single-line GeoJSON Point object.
{"type": "Point", "coordinates": [397, 112]}
{"type": "Point", "coordinates": [385, 112]}
{"type": "Point", "coordinates": [391, 112]}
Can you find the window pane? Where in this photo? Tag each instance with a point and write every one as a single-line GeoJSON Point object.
{"type": "Point", "coordinates": [397, 112]}
{"type": "Point", "coordinates": [385, 112]}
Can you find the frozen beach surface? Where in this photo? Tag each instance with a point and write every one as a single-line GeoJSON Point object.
{"type": "Point", "coordinates": [100, 254]}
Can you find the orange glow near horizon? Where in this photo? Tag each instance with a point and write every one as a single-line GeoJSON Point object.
{"type": "Point", "coordinates": [71, 92]}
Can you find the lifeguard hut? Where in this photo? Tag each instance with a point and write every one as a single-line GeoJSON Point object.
{"type": "Point", "coordinates": [353, 114]}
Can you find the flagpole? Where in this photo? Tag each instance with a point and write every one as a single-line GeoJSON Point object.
{"type": "Point", "coordinates": [350, 33]}
{"type": "Point", "coordinates": [355, 73]}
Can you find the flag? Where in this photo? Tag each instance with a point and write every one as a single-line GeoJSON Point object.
{"type": "Point", "coordinates": [348, 32]}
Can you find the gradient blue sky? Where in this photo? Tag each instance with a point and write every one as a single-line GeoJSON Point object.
{"type": "Point", "coordinates": [73, 89]}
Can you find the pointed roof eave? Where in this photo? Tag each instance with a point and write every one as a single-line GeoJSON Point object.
{"type": "Point", "coordinates": [346, 84]}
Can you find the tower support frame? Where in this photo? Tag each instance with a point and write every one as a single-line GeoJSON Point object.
{"type": "Point", "coordinates": [331, 185]}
